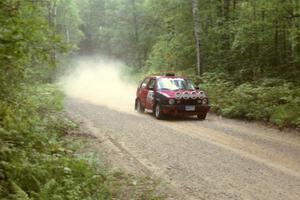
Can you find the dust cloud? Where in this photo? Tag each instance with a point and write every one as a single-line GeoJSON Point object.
{"type": "Point", "coordinates": [99, 81]}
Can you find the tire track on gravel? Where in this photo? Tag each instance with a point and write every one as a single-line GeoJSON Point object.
{"type": "Point", "coordinates": [239, 146]}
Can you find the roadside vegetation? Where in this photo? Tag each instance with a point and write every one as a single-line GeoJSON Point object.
{"type": "Point", "coordinates": [269, 100]}
{"type": "Point", "coordinates": [36, 161]}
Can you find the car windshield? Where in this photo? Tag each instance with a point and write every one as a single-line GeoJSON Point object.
{"type": "Point", "coordinates": [174, 84]}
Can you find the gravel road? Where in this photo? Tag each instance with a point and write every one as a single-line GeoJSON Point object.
{"type": "Point", "coordinates": [217, 159]}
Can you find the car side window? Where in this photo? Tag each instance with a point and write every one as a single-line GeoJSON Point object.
{"type": "Point", "coordinates": [145, 83]}
{"type": "Point", "coordinates": [151, 84]}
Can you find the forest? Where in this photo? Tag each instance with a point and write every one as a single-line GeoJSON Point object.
{"type": "Point", "coordinates": [244, 54]}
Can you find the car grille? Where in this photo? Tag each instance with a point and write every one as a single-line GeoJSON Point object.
{"type": "Point", "coordinates": [187, 102]}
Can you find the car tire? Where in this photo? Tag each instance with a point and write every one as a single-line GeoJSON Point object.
{"type": "Point", "coordinates": [157, 111]}
{"type": "Point", "coordinates": [201, 116]}
{"type": "Point", "coordinates": [139, 107]}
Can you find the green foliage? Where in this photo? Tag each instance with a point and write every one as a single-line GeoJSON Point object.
{"type": "Point", "coordinates": [248, 40]}
{"type": "Point", "coordinates": [68, 21]}
{"type": "Point", "coordinates": [27, 43]}
{"type": "Point", "coordinates": [18, 193]}
{"type": "Point", "coordinates": [168, 55]}
{"type": "Point", "coordinates": [271, 100]}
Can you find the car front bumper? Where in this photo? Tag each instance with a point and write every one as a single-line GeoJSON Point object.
{"type": "Point", "coordinates": [181, 109]}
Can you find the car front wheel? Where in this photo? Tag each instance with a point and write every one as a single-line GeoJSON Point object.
{"type": "Point", "coordinates": [201, 116]}
{"type": "Point", "coordinates": [157, 111]}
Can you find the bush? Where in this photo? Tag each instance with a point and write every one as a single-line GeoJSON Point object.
{"type": "Point", "coordinates": [34, 165]}
{"type": "Point", "coordinates": [271, 100]}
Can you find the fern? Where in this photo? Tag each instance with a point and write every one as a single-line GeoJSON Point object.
{"type": "Point", "coordinates": [18, 193]}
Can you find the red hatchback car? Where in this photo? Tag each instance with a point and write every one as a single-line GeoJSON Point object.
{"type": "Point", "coordinates": [171, 95]}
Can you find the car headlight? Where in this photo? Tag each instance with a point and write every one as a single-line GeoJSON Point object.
{"type": "Point", "coordinates": [202, 94]}
{"type": "Point", "coordinates": [204, 101]}
{"type": "Point", "coordinates": [198, 94]}
{"type": "Point", "coordinates": [194, 95]}
{"type": "Point", "coordinates": [178, 95]}
{"type": "Point", "coordinates": [185, 95]}
{"type": "Point", "coordinates": [171, 101]}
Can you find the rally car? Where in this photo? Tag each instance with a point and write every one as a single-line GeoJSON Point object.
{"type": "Point", "coordinates": [171, 95]}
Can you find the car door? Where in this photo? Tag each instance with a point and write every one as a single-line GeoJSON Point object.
{"type": "Point", "coordinates": [143, 92]}
{"type": "Point", "coordinates": [150, 94]}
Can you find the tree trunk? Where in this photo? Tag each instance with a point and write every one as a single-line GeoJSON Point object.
{"type": "Point", "coordinates": [196, 17]}
{"type": "Point", "coordinates": [226, 36]}
{"type": "Point", "coordinates": [136, 33]}
{"type": "Point", "coordinates": [52, 12]}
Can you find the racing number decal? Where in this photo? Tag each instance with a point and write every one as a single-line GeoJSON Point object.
{"type": "Point", "coordinates": [150, 97]}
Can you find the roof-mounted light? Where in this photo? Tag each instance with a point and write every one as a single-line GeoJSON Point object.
{"type": "Point", "coordinates": [170, 74]}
